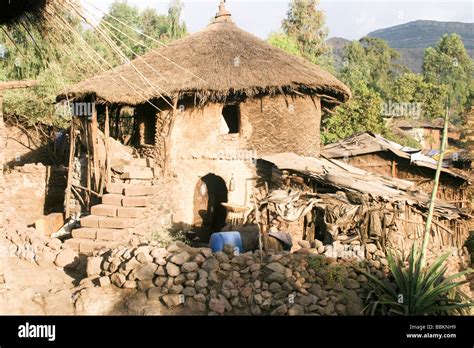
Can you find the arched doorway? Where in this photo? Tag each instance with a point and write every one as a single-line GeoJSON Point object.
{"type": "Point", "coordinates": [209, 214]}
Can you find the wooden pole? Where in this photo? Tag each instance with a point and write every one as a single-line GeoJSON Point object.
{"type": "Point", "coordinates": [17, 84]}
{"type": "Point", "coordinates": [429, 218]}
{"type": "Point", "coordinates": [106, 136]}
{"type": "Point", "coordinates": [257, 218]}
{"type": "Point", "coordinates": [95, 144]}
{"type": "Point", "coordinates": [72, 145]}
{"type": "Point", "coordinates": [167, 164]}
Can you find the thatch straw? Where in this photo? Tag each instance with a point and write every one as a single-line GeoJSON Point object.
{"type": "Point", "coordinates": [212, 65]}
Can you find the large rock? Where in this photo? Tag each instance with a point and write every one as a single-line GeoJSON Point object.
{"type": "Point", "coordinates": [159, 253]}
{"type": "Point", "coordinates": [180, 258]}
{"type": "Point", "coordinates": [172, 300]}
{"type": "Point", "coordinates": [67, 259]}
{"type": "Point", "coordinates": [276, 267]}
{"type": "Point", "coordinates": [210, 265]}
{"type": "Point", "coordinates": [93, 266]}
{"type": "Point", "coordinates": [146, 271]}
{"type": "Point", "coordinates": [172, 269]}
{"type": "Point", "coordinates": [354, 304]}
{"type": "Point", "coordinates": [276, 277]}
{"type": "Point", "coordinates": [371, 248]}
{"type": "Point", "coordinates": [280, 310]}
{"type": "Point", "coordinates": [351, 283]}
{"type": "Point", "coordinates": [189, 267]}
{"type": "Point", "coordinates": [217, 306]}
{"type": "Point", "coordinates": [296, 310]}
{"type": "Point", "coordinates": [118, 279]}
{"type": "Point", "coordinates": [45, 258]}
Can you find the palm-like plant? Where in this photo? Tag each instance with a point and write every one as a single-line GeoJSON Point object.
{"type": "Point", "coordinates": [418, 291]}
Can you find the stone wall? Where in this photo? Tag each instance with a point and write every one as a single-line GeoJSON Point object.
{"type": "Point", "coordinates": [201, 282]}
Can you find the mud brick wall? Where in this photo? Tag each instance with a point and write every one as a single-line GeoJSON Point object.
{"type": "Point", "coordinates": [25, 147]}
{"type": "Point", "coordinates": [284, 124]}
{"type": "Point", "coordinates": [32, 191]}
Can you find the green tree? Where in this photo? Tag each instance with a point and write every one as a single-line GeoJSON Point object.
{"type": "Point", "coordinates": [122, 22]}
{"type": "Point", "coordinates": [449, 64]}
{"type": "Point", "coordinates": [305, 24]}
{"type": "Point", "coordinates": [375, 61]}
{"type": "Point", "coordinates": [411, 88]}
{"type": "Point", "coordinates": [176, 29]}
{"type": "Point", "coordinates": [362, 113]}
{"type": "Point", "coordinates": [284, 42]}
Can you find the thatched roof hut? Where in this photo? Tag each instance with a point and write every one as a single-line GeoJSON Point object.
{"type": "Point", "coordinates": [218, 62]}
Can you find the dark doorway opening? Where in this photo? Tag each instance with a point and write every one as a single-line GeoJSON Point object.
{"type": "Point", "coordinates": [209, 214]}
{"type": "Point", "coordinates": [231, 114]}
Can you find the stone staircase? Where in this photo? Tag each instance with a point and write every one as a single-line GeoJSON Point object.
{"type": "Point", "coordinates": [124, 210]}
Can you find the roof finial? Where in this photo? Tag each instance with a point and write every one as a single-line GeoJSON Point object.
{"type": "Point", "coordinates": [223, 15]}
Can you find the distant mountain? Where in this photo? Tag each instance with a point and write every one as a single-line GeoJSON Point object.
{"type": "Point", "coordinates": [422, 34]}
{"type": "Point", "coordinates": [412, 38]}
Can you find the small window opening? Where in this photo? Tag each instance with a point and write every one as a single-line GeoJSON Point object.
{"type": "Point", "coordinates": [231, 114]}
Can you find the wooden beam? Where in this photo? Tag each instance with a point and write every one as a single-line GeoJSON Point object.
{"type": "Point", "coordinates": [107, 149]}
{"type": "Point", "coordinates": [17, 84]}
{"type": "Point", "coordinates": [72, 145]}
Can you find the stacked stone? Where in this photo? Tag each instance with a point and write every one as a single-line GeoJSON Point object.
{"type": "Point", "coordinates": [224, 283]}
{"type": "Point", "coordinates": [28, 244]}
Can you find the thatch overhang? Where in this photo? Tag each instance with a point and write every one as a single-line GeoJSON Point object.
{"type": "Point", "coordinates": [219, 62]}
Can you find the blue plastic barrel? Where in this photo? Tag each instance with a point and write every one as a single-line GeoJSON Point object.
{"type": "Point", "coordinates": [232, 238]}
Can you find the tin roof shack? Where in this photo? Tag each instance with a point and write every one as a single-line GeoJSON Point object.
{"type": "Point", "coordinates": [205, 106]}
{"type": "Point", "coordinates": [376, 154]}
{"type": "Point", "coordinates": [335, 208]}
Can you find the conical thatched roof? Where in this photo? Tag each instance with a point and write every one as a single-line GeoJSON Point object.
{"type": "Point", "coordinates": [215, 63]}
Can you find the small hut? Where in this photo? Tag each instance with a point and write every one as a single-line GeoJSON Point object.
{"type": "Point", "coordinates": [376, 154]}
{"type": "Point", "coordinates": [204, 107]}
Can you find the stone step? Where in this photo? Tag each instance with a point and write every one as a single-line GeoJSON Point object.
{"type": "Point", "coordinates": [104, 210]}
{"type": "Point", "coordinates": [91, 221]}
{"type": "Point", "coordinates": [131, 190]}
{"type": "Point", "coordinates": [139, 173]}
{"type": "Point", "coordinates": [117, 211]}
{"type": "Point", "coordinates": [130, 212]}
{"type": "Point", "coordinates": [112, 199]}
{"type": "Point", "coordinates": [87, 246]}
{"type": "Point", "coordinates": [100, 233]}
{"type": "Point", "coordinates": [118, 200]}
{"type": "Point", "coordinates": [117, 223]}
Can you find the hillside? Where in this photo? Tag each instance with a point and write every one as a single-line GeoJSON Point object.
{"type": "Point", "coordinates": [412, 38]}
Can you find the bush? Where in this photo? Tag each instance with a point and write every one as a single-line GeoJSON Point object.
{"type": "Point", "coordinates": [416, 291]}
{"type": "Point", "coordinates": [167, 235]}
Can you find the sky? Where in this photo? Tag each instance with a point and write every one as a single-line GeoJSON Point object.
{"type": "Point", "coordinates": [350, 19]}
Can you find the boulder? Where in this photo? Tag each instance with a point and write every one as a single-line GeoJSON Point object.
{"type": "Point", "coordinates": [146, 271]}
{"type": "Point", "coordinates": [180, 258]}
{"type": "Point", "coordinates": [67, 259]}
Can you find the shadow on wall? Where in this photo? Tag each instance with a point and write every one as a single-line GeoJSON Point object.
{"type": "Point", "coordinates": [209, 213]}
